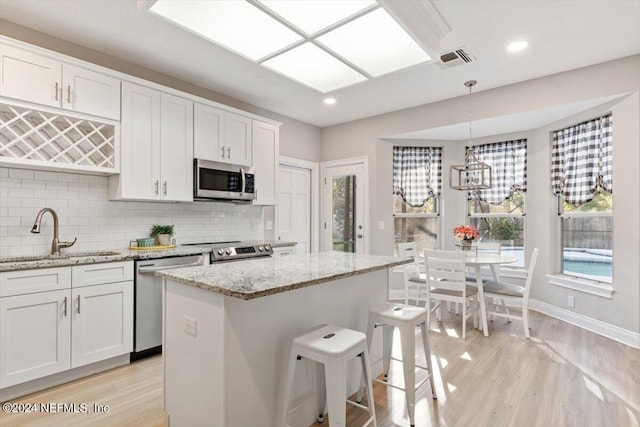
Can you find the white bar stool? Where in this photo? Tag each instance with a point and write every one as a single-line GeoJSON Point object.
{"type": "Point", "coordinates": [332, 347]}
{"type": "Point", "coordinates": [405, 318]}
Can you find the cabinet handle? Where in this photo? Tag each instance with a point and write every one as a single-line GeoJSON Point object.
{"type": "Point", "coordinates": [78, 304]}
{"type": "Point", "coordinates": [69, 94]}
{"type": "Point", "coordinates": [156, 184]}
{"type": "Point", "coordinates": [164, 191]}
{"type": "Point", "coordinates": [65, 307]}
{"type": "Point", "coordinates": [222, 153]}
{"type": "Point", "coordinates": [56, 91]}
{"type": "Point", "coordinates": [228, 152]}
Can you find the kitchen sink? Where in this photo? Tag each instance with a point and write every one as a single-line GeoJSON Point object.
{"type": "Point", "coordinates": [83, 254]}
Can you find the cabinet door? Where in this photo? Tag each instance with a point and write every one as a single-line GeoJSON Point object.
{"type": "Point", "coordinates": [102, 325]}
{"type": "Point", "coordinates": [208, 133]}
{"type": "Point", "coordinates": [265, 147]}
{"type": "Point", "coordinates": [34, 336]}
{"type": "Point", "coordinates": [140, 143]}
{"type": "Point", "coordinates": [237, 139]}
{"type": "Point", "coordinates": [176, 136]}
{"type": "Point", "coordinates": [89, 92]}
{"type": "Point", "coordinates": [30, 77]}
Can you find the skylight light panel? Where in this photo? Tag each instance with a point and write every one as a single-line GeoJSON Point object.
{"type": "Point", "coordinates": [235, 25]}
{"type": "Point", "coordinates": [313, 67]}
{"type": "Point", "coordinates": [311, 16]}
{"type": "Point", "coordinates": [376, 43]}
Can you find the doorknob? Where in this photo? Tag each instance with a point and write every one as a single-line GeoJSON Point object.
{"type": "Point", "coordinates": [359, 236]}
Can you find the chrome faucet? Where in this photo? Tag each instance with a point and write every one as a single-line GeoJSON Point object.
{"type": "Point", "coordinates": [56, 244]}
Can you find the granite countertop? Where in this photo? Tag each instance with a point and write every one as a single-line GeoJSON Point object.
{"type": "Point", "coordinates": [256, 278]}
{"type": "Point", "coordinates": [91, 257]}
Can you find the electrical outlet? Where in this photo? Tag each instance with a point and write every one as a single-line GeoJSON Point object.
{"type": "Point", "coordinates": [570, 301]}
{"type": "Point", "coordinates": [190, 326]}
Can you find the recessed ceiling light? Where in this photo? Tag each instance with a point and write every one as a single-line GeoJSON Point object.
{"type": "Point", "coordinates": [517, 46]}
{"type": "Point", "coordinates": [329, 101]}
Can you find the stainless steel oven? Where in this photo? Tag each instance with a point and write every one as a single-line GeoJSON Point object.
{"type": "Point", "coordinates": [235, 251]}
{"type": "Point", "coordinates": [221, 181]}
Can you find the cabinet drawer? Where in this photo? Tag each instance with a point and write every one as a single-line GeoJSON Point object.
{"type": "Point", "coordinates": [32, 281]}
{"type": "Point", "coordinates": [99, 274]}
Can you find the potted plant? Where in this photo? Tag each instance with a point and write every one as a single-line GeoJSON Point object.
{"type": "Point", "coordinates": [162, 233]}
{"type": "Point", "coordinates": [466, 234]}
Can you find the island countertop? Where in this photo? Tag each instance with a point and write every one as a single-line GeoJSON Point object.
{"type": "Point", "coordinates": [257, 278]}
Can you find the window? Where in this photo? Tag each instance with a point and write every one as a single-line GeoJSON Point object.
{"type": "Point", "coordinates": [581, 177]}
{"type": "Point", "coordinates": [417, 184]}
{"type": "Point", "coordinates": [498, 212]}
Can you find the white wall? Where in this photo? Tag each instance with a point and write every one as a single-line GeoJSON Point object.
{"type": "Point", "coordinates": [365, 137]}
{"type": "Point", "coordinates": [84, 212]}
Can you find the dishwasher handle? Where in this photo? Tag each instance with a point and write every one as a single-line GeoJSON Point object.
{"type": "Point", "coordinates": [150, 270]}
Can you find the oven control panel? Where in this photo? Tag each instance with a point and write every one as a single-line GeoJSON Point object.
{"type": "Point", "coordinates": [232, 253]}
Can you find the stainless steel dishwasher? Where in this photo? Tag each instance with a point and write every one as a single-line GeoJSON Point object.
{"type": "Point", "coordinates": [147, 334]}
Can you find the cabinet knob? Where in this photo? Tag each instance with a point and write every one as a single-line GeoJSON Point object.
{"type": "Point", "coordinates": [164, 186]}
{"type": "Point", "coordinates": [228, 152]}
{"type": "Point", "coordinates": [69, 94]}
{"type": "Point", "coordinates": [56, 91]}
{"type": "Point", "coordinates": [156, 185]}
{"type": "Point", "coordinates": [222, 151]}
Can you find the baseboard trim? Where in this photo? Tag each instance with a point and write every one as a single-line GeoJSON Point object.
{"type": "Point", "coordinates": [607, 330]}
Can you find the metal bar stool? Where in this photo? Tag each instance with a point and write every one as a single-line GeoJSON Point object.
{"type": "Point", "coordinates": [332, 347]}
{"type": "Point", "coordinates": [405, 318]}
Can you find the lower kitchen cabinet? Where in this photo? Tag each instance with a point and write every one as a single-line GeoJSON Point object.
{"type": "Point", "coordinates": [102, 322]}
{"type": "Point", "coordinates": [284, 251]}
{"type": "Point", "coordinates": [51, 331]}
{"type": "Point", "coordinates": [35, 336]}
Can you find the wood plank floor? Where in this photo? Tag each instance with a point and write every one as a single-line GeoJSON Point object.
{"type": "Point", "coordinates": [563, 376]}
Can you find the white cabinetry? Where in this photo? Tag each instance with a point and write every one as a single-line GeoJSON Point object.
{"type": "Point", "coordinates": [157, 147]}
{"type": "Point", "coordinates": [284, 251]}
{"type": "Point", "coordinates": [64, 318]}
{"type": "Point", "coordinates": [221, 136]}
{"type": "Point", "coordinates": [32, 77]}
{"type": "Point", "coordinates": [265, 142]}
{"type": "Point", "coordinates": [35, 338]}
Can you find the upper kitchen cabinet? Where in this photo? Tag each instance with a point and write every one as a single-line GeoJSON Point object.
{"type": "Point", "coordinates": [41, 79]}
{"type": "Point", "coordinates": [266, 149]}
{"type": "Point", "coordinates": [221, 136]}
{"type": "Point", "coordinates": [156, 147]}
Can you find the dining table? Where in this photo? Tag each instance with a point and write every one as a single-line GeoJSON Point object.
{"type": "Point", "coordinates": [493, 260]}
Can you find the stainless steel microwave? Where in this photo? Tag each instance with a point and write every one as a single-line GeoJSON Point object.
{"type": "Point", "coordinates": [221, 181]}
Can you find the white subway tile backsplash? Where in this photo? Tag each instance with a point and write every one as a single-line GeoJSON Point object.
{"type": "Point", "coordinates": [20, 173]}
{"type": "Point", "coordinates": [85, 212]}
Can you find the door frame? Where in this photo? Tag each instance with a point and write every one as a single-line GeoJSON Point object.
{"type": "Point", "coordinates": [350, 161]}
{"type": "Point", "coordinates": [314, 167]}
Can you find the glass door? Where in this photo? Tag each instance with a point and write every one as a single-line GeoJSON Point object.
{"type": "Point", "coordinates": [344, 206]}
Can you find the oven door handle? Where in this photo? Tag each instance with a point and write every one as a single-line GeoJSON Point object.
{"type": "Point", "coordinates": [150, 270]}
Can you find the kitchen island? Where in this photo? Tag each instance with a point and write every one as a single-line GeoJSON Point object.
{"type": "Point", "coordinates": [228, 327]}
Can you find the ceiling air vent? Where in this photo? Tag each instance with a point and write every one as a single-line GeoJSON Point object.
{"type": "Point", "coordinates": [456, 57]}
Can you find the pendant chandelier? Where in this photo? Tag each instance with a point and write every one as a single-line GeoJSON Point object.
{"type": "Point", "coordinates": [473, 175]}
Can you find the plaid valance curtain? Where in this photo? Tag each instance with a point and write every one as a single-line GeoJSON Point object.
{"type": "Point", "coordinates": [508, 161]}
{"type": "Point", "coordinates": [417, 173]}
{"type": "Point", "coordinates": [582, 160]}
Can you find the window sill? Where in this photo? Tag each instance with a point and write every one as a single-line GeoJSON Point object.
{"type": "Point", "coordinates": [582, 285]}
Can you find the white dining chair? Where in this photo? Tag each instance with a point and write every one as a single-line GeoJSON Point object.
{"type": "Point", "coordinates": [413, 274]}
{"type": "Point", "coordinates": [511, 296]}
{"type": "Point", "coordinates": [445, 274]}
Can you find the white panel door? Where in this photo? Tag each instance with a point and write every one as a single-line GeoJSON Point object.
{"type": "Point", "coordinates": [208, 133]}
{"type": "Point", "coordinates": [343, 216]}
{"type": "Point", "coordinates": [89, 92]}
{"type": "Point", "coordinates": [30, 77]}
{"type": "Point", "coordinates": [176, 136]}
{"type": "Point", "coordinates": [102, 324]}
{"type": "Point", "coordinates": [237, 139]}
{"type": "Point", "coordinates": [35, 339]}
{"type": "Point", "coordinates": [140, 146]}
{"type": "Point", "coordinates": [265, 147]}
{"type": "Point", "coordinates": [294, 207]}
